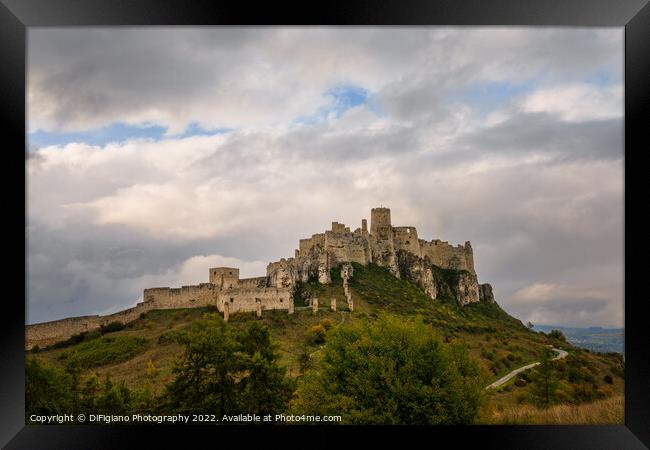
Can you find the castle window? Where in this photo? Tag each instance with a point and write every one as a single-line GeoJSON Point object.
{"type": "Point", "coordinates": [408, 242]}
{"type": "Point", "coordinates": [230, 273]}
{"type": "Point", "coordinates": [280, 300]}
{"type": "Point", "coordinates": [232, 300]}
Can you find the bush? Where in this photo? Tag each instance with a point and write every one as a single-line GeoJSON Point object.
{"type": "Point", "coordinates": [326, 323]}
{"type": "Point", "coordinates": [151, 369]}
{"type": "Point", "coordinates": [112, 327]}
{"type": "Point", "coordinates": [35, 349]}
{"type": "Point", "coordinates": [391, 371]}
{"type": "Point", "coordinates": [519, 382]}
{"type": "Point", "coordinates": [317, 334]}
{"type": "Point", "coordinates": [557, 334]}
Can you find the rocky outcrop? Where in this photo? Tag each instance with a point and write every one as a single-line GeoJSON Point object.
{"type": "Point", "coordinates": [417, 271]}
{"type": "Point", "coordinates": [485, 293]}
{"type": "Point", "coordinates": [466, 289]}
{"type": "Point", "coordinates": [346, 273]}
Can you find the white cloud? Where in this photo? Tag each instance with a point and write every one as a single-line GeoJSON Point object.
{"type": "Point", "coordinates": [578, 102]}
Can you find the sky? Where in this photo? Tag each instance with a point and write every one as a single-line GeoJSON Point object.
{"type": "Point", "coordinates": [156, 153]}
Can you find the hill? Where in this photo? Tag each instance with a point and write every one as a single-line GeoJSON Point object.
{"type": "Point", "coordinates": [497, 341]}
{"type": "Point", "coordinates": [596, 339]}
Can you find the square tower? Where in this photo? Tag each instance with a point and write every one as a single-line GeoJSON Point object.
{"type": "Point", "coordinates": [224, 277]}
{"type": "Point", "coordinates": [380, 225]}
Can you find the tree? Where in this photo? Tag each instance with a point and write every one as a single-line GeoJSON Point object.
{"type": "Point", "coordinates": [392, 371]}
{"type": "Point", "coordinates": [557, 334]}
{"type": "Point", "coordinates": [227, 372]}
{"type": "Point", "coordinates": [530, 325]}
{"type": "Point", "coordinates": [265, 389]}
{"type": "Point", "coordinates": [48, 390]}
{"type": "Point", "coordinates": [546, 380]}
{"type": "Point", "coordinates": [207, 371]}
{"type": "Point", "coordinates": [304, 359]}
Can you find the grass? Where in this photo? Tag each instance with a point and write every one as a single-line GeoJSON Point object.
{"type": "Point", "coordinates": [106, 350]}
{"type": "Point", "coordinates": [607, 411]}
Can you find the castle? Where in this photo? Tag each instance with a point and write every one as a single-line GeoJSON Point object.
{"type": "Point", "coordinates": [399, 249]}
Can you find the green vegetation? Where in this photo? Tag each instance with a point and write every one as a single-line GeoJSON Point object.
{"type": "Point", "coordinates": [227, 372]}
{"type": "Point", "coordinates": [105, 350]}
{"type": "Point", "coordinates": [391, 372]}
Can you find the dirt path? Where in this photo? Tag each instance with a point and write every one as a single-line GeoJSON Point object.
{"type": "Point", "coordinates": [560, 354]}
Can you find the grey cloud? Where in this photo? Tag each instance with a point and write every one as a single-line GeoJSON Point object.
{"type": "Point", "coordinates": [542, 132]}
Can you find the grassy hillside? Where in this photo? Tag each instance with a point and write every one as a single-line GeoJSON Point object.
{"type": "Point", "coordinates": [499, 342]}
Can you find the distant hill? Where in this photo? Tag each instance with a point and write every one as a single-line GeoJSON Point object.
{"type": "Point", "coordinates": [596, 339]}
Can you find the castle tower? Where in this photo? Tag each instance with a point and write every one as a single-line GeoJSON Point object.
{"type": "Point", "coordinates": [381, 238]}
{"type": "Point", "coordinates": [224, 277]}
{"type": "Point", "coordinates": [380, 224]}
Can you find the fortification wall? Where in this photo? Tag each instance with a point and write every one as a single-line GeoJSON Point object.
{"type": "Point", "coordinates": [127, 315]}
{"type": "Point", "coordinates": [47, 333]}
{"type": "Point", "coordinates": [448, 256]}
{"type": "Point", "coordinates": [252, 283]}
{"type": "Point", "coordinates": [245, 300]}
{"type": "Point", "coordinates": [307, 245]}
{"type": "Point", "coordinates": [44, 334]}
{"type": "Point", "coordinates": [184, 297]}
{"type": "Point", "coordinates": [347, 247]}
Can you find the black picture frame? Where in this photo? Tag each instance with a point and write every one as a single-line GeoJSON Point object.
{"type": "Point", "coordinates": [18, 15]}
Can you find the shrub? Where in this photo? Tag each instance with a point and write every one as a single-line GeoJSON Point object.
{"type": "Point", "coordinates": [511, 357]}
{"type": "Point", "coordinates": [151, 369]}
{"type": "Point", "coordinates": [392, 371]}
{"type": "Point", "coordinates": [326, 323]}
{"type": "Point", "coordinates": [317, 334]}
{"type": "Point", "coordinates": [112, 327]}
{"type": "Point", "coordinates": [519, 382]}
{"type": "Point", "coordinates": [35, 349]}
{"type": "Point", "coordinates": [557, 334]}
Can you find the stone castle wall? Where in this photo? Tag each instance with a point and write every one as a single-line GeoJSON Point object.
{"type": "Point", "coordinates": [448, 256]}
{"type": "Point", "coordinates": [47, 333]}
{"type": "Point", "coordinates": [246, 299]}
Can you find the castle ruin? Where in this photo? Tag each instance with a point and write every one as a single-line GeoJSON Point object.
{"type": "Point", "coordinates": [399, 249]}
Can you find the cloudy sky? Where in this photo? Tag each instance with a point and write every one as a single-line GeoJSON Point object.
{"type": "Point", "coordinates": [155, 153]}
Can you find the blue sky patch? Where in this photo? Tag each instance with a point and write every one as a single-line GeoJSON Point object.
{"type": "Point", "coordinates": [341, 98]}
{"type": "Point", "coordinates": [116, 132]}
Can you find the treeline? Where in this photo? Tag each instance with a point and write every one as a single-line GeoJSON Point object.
{"type": "Point", "coordinates": [388, 372]}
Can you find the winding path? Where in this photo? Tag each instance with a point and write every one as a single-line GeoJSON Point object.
{"type": "Point", "coordinates": [560, 354]}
